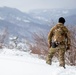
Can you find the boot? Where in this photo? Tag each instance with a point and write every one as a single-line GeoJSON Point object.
{"type": "Point", "coordinates": [62, 66]}
{"type": "Point", "coordinates": [48, 62]}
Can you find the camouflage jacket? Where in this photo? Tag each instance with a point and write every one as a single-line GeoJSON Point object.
{"type": "Point", "coordinates": [67, 36]}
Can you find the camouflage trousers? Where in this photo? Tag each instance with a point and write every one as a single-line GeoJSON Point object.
{"type": "Point", "coordinates": [61, 51]}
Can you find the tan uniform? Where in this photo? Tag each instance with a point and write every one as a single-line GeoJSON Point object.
{"type": "Point", "coordinates": [61, 48]}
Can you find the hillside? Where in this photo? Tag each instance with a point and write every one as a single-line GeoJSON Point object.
{"type": "Point", "coordinates": [49, 15]}
{"type": "Point", "coordinates": [14, 62]}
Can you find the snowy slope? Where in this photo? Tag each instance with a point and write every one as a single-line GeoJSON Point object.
{"type": "Point", "coordinates": [25, 64]}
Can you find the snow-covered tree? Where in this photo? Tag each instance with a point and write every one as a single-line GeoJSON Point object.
{"type": "Point", "coordinates": [13, 41]}
{"type": "Point", "coordinates": [3, 35]}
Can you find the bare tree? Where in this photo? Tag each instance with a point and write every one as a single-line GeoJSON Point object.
{"type": "Point", "coordinates": [71, 54]}
{"type": "Point", "coordinates": [40, 45]}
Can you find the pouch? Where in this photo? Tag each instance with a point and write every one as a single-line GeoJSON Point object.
{"type": "Point", "coordinates": [54, 45]}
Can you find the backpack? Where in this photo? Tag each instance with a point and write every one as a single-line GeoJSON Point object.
{"type": "Point", "coordinates": [58, 34]}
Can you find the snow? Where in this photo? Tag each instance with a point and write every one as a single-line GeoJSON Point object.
{"type": "Point", "coordinates": [18, 18]}
{"type": "Point", "coordinates": [26, 20]}
{"type": "Point", "coordinates": [1, 18]}
{"type": "Point", "coordinates": [15, 62]}
{"type": "Point", "coordinates": [41, 18]}
{"type": "Point", "coordinates": [65, 11]}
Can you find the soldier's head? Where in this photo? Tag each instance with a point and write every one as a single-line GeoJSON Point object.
{"type": "Point", "coordinates": [61, 20]}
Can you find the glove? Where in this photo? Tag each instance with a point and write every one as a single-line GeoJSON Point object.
{"type": "Point", "coordinates": [68, 46]}
{"type": "Point", "coordinates": [54, 45]}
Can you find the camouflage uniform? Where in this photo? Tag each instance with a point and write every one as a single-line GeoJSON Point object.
{"type": "Point", "coordinates": [61, 48]}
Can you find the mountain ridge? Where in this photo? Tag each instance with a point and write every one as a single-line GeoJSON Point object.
{"type": "Point", "coordinates": [24, 24]}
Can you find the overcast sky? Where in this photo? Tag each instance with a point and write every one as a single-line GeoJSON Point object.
{"type": "Point", "coordinates": [26, 5]}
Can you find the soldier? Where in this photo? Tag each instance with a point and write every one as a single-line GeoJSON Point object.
{"type": "Point", "coordinates": [58, 41]}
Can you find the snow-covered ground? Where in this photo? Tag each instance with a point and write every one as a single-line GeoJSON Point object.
{"type": "Point", "coordinates": [14, 62]}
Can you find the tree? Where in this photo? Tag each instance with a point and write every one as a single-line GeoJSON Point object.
{"type": "Point", "coordinates": [40, 45]}
{"type": "Point", "coordinates": [13, 42]}
{"type": "Point", "coordinates": [3, 36]}
{"type": "Point", "coordinates": [71, 54]}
